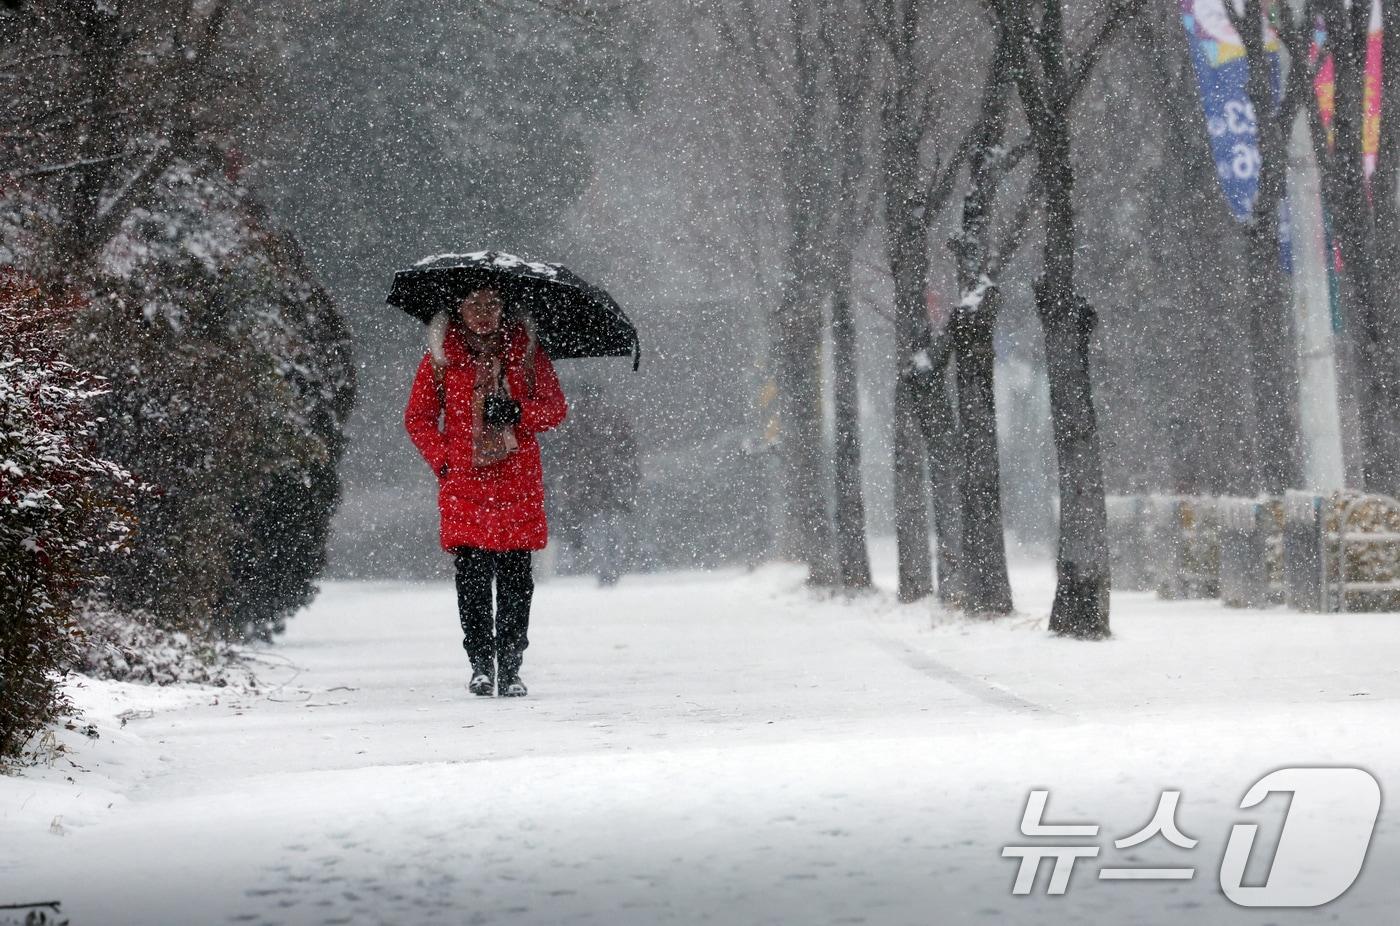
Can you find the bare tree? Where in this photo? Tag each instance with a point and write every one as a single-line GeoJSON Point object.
{"type": "Point", "coordinates": [781, 53]}
{"type": "Point", "coordinates": [971, 326]}
{"type": "Point", "coordinates": [1045, 79]}
{"type": "Point", "coordinates": [914, 189]}
{"type": "Point", "coordinates": [846, 40]}
{"type": "Point", "coordinates": [981, 255]}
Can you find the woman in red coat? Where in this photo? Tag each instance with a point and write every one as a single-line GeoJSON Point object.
{"type": "Point", "coordinates": [482, 393]}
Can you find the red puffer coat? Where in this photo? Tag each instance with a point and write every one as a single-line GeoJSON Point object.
{"type": "Point", "coordinates": [499, 506]}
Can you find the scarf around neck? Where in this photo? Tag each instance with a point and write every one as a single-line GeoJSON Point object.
{"type": "Point", "coordinates": [487, 356]}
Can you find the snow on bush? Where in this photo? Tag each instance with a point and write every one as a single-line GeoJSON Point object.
{"type": "Point", "coordinates": [232, 380]}
{"type": "Point", "coordinates": [62, 507]}
{"type": "Point", "coordinates": [136, 648]}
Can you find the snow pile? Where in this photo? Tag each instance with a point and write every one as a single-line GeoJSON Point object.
{"type": "Point", "coordinates": [84, 769]}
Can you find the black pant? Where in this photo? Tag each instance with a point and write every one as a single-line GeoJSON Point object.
{"type": "Point", "coordinates": [515, 586]}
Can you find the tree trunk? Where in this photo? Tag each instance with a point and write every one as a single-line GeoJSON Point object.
{"type": "Point", "coordinates": [986, 584]}
{"type": "Point", "coordinates": [909, 264]}
{"type": "Point", "coordinates": [912, 399]}
{"type": "Point", "coordinates": [910, 493]}
{"type": "Point", "coordinates": [903, 121]}
{"type": "Point", "coordinates": [852, 557]}
{"type": "Point", "coordinates": [1081, 607]}
{"type": "Point", "coordinates": [848, 52]}
{"type": "Point", "coordinates": [807, 536]}
{"type": "Point", "coordinates": [102, 46]}
{"type": "Point", "coordinates": [1275, 445]}
{"type": "Point", "coordinates": [1277, 448]}
{"type": "Point", "coordinates": [943, 446]}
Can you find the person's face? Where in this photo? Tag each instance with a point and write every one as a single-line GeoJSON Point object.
{"type": "Point", "coordinates": [481, 311]}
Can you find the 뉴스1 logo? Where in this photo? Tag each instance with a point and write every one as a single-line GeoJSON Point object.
{"type": "Point", "coordinates": [1330, 820]}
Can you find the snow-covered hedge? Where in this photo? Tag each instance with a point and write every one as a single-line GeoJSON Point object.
{"type": "Point", "coordinates": [201, 356]}
{"type": "Point", "coordinates": [196, 352]}
{"type": "Point", "coordinates": [232, 381]}
{"type": "Point", "coordinates": [62, 507]}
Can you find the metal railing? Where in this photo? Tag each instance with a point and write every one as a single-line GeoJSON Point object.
{"type": "Point", "coordinates": [1352, 583]}
{"type": "Point", "coordinates": [1335, 552]}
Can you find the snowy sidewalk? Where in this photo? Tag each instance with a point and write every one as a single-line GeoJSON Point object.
{"type": "Point", "coordinates": [708, 748]}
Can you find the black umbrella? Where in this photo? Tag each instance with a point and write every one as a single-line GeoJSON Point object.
{"type": "Point", "coordinates": [573, 318]}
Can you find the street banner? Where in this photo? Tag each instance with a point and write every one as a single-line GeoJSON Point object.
{"type": "Point", "coordinates": [1222, 74]}
{"type": "Point", "coordinates": [1325, 86]}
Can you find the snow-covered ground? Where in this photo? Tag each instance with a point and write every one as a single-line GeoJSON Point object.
{"type": "Point", "coordinates": [722, 748]}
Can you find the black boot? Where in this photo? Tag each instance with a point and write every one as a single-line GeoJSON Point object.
{"type": "Point", "coordinates": [482, 685]}
{"type": "Point", "coordinates": [483, 681]}
{"type": "Point", "coordinates": [512, 686]}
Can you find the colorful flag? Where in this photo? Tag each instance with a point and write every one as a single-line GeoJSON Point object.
{"type": "Point", "coordinates": [1325, 86]}
{"type": "Point", "coordinates": [1371, 98]}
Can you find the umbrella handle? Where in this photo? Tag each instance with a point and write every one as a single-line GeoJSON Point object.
{"type": "Point", "coordinates": [636, 353]}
